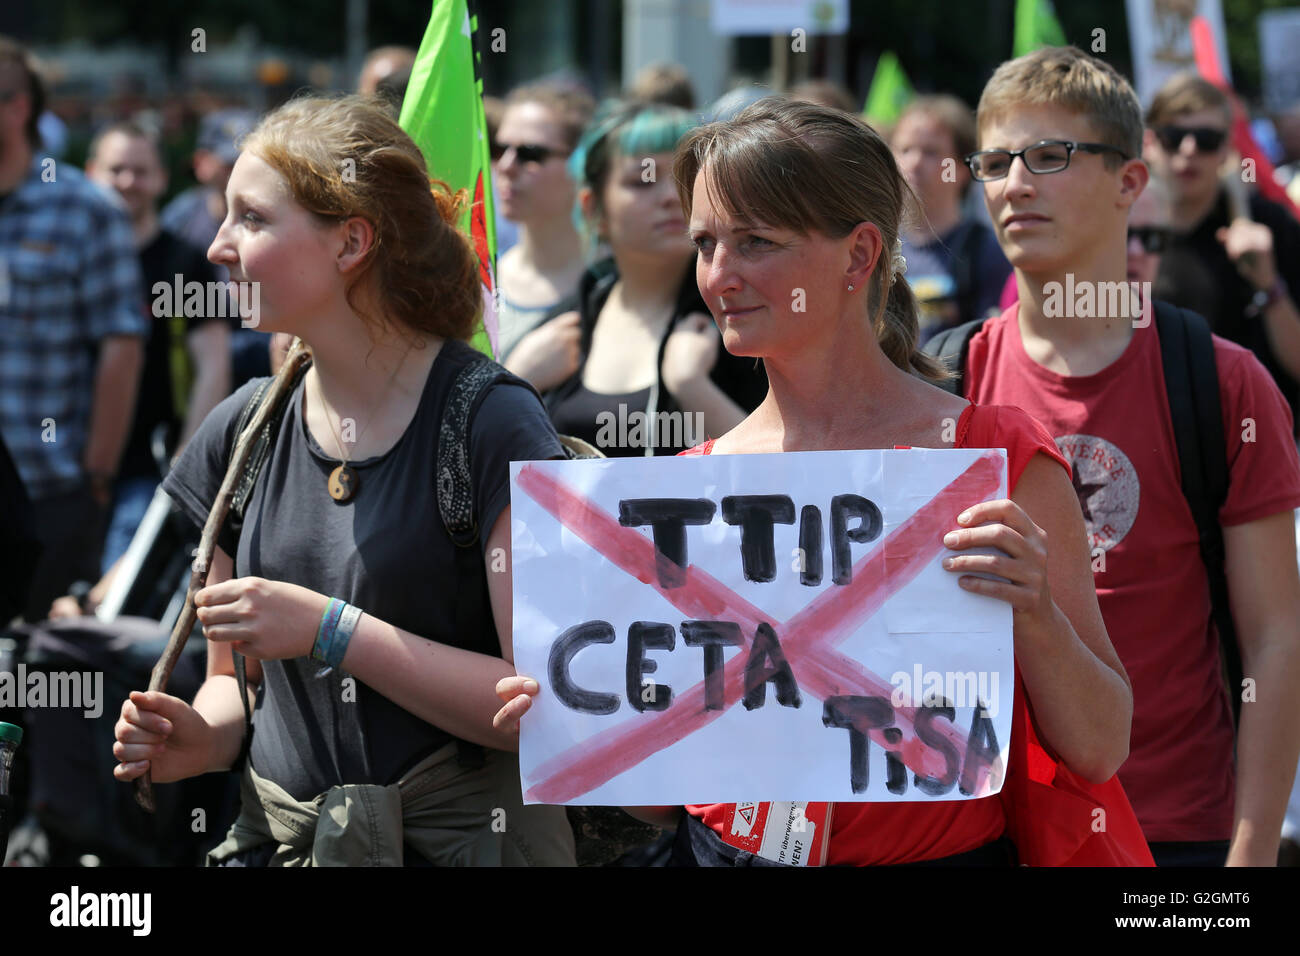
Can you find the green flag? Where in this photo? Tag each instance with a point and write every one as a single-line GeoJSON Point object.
{"type": "Point", "coordinates": [1036, 26]}
{"type": "Point", "coordinates": [890, 92]}
{"type": "Point", "coordinates": [443, 113]}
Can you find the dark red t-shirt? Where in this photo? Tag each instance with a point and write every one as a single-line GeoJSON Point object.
{"type": "Point", "coordinates": [1115, 429]}
{"type": "Point", "coordinates": [873, 834]}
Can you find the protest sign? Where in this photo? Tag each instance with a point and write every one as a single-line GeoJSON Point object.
{"type": "Point", "coordinates": [774, 627]}
{"type": "Point", "coordinates": [1279, 38]}
{"type": "Point", "coordinates": [1160, 38]}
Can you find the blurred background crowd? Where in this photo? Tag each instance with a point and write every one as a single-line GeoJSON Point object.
{"type": "Point", "coordinates": [150, 99]}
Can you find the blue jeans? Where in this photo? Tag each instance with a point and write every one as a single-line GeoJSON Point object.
{"type": "Point", "coordinates": [131, 499]}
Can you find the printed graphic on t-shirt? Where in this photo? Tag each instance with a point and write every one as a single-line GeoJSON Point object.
{"type": "Point", "coordinates": [936, 298]}
{"type": "Point", "coordinates": [1107, 486]}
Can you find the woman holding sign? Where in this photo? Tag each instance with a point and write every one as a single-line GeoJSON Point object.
{"type": "Point", "coordinates": [371, 638]}
{"type": "Point", "coordinates": [793, 204]}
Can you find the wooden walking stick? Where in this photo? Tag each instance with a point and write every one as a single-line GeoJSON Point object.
{"type": "Point", "coordinates": [162, 672]}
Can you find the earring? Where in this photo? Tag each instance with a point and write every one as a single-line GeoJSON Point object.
{"type": "Point", "coordinates": [850, 286]}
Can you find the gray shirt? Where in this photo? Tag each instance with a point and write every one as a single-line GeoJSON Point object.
{"type": "Point", "coordinates": [385, 551]}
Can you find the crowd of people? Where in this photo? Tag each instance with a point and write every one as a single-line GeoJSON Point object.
{"type": "Point", "coordinates": [648, 252]}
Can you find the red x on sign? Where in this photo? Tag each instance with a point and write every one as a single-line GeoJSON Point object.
{"type": "Point", "coordinates": [809, 638]}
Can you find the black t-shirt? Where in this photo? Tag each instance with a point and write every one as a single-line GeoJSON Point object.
{"type": "Point", "coordinates": [591, 416]}
{"type": "Point", "coordinates": [385, 551]}
{"type": "Point", "coordinates": [161, 261]}
{"type": "Point", "coordinates": [583, 413]}
{"type": "Point", "coordinates": [1196, 273]}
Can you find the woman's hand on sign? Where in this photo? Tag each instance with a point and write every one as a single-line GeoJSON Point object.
{"type": "Point", "coordinates": [1022, 561]}
{"type": "Point", "coordinates": [261, 619]}
{"type": "Point", "coordinates": [163, 735]}
{"type": "Point", "coordinates": [518, 693]}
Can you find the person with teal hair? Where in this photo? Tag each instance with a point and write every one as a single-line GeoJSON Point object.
{"type": "Point", "coordinates": [652, 377]}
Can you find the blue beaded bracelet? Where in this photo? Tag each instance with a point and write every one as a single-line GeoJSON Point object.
{"type": "Point", "coordinates": [337, 623]}
{"type": "Point", "coordinates": [329, 620]}
{"type": "Point", "coordinates": [343, 634]}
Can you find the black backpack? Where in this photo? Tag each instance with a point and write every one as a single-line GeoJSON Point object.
{"type": "Point", "coordinates": [1192, 384]}
{"type": "Point", "coordinates": [454, 494]}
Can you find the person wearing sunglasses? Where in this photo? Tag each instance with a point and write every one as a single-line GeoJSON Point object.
{"type": "Point", "coordinates": [1068, 193]}
{"type": "Point", "coordinates": [539, 129]}
{"type": "Point", "coordinates": [1242, 274]}
{"type": "Point", "coordinates": [1148, 231]}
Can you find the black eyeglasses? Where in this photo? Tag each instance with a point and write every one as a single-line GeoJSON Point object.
{"type": "Point", "coordinates": [1154, 239]}
{"type": "Point", "coordinates": [1208, 139]}
{"type": "Point", "coordinates": [525, 152]}
{"type": "Point", "coordinates": [1048, 156]}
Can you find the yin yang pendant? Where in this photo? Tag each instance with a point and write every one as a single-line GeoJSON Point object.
{"type": "Point", "coordinates": [343, 483]}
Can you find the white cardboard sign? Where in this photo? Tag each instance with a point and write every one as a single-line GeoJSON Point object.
{"type": "Point", "coordinates": [772, 627]}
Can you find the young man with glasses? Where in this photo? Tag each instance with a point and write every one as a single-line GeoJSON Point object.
{"type": "Point", "coordinates": [1242, 274]}
{"type": "Point", "coordinates": [1060, 134]}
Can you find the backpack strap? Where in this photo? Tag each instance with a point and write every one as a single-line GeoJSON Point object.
{"type": "Point", "coordinates": [455, 494]}
{"type": "Point", "coordinates": [1192, 384]}
{"type": "Point", "coordinates": [235, 517]}
{"type": "Point", "coordinates": [455, 491]}
{"type": "Point", "coordinates": [951, 347]}
{"type": "Point", "coordinates": [455, 488]}
{"type": "Point", "coordinates": [456, 503]}
{"type": "Point", "coordinates": [261, 448]}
